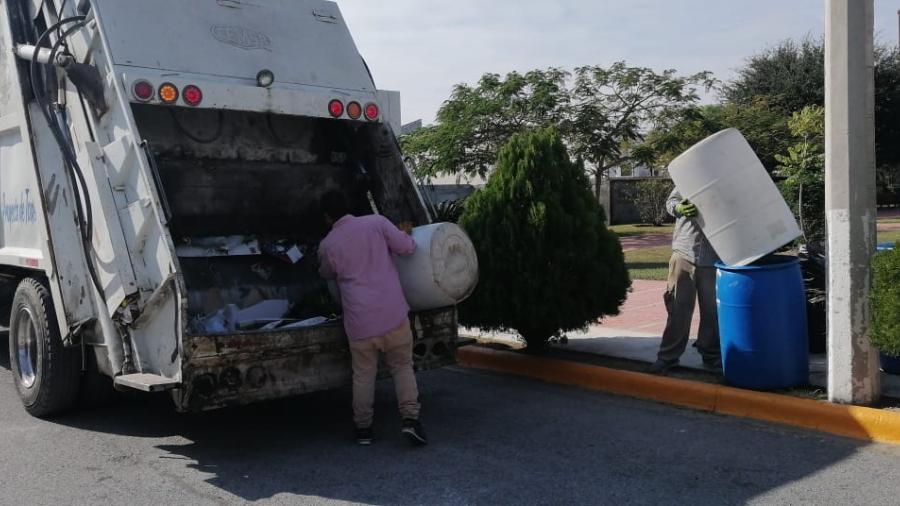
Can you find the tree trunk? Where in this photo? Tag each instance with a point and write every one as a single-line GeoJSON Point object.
{"type": "Point", "coordinates": [598, 185]}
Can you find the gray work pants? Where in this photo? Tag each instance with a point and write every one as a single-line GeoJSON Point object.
{"type": "Point", "coordinates": [686, 284]}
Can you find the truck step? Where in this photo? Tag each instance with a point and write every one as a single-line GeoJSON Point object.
{"type": "Point", "coordinates": [146, 382]}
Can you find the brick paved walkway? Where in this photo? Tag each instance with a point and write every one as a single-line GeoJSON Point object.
{"type": "Point", "coordinates": [645, 241]}
{"type": "Point", "coordinates": [644, 311]}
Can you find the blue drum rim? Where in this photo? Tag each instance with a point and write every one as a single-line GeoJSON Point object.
{"type": "Point", "coordinates": [767, 263]}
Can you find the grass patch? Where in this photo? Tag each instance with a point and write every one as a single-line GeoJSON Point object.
{"type": "Point", "coordinates": [638, 230]}
{"type": "Point", "coordinates": [889, 236]}
{"type": "Point", "coordinates": [652, 264]}
{"type": "Point", "coordinates": [649, 263]}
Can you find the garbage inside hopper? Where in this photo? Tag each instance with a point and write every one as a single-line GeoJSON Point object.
{"type": "Point", "coordinates": [284, 250]}
{"type": "Point", "coordinates": [290, 325]}
{"type": "Point", "coordinates": [232, 317]}
{"type": "Point", "coordinates": [239, 245]}
{"type": "Point", "coordinates": [204, 247]}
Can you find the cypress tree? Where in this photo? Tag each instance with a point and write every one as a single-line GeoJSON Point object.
{"type": "Point", "coordinates": [548, 263]}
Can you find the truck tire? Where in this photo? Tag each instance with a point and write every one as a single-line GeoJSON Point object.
{"type": "Point", "coordinates": [46, 373]}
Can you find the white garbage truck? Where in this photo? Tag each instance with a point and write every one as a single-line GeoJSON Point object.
{"type": "Point", "coordinates": [161, 164]}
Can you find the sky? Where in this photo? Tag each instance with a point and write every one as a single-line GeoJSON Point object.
{"type": "Point", "coordinates": [424, 47]}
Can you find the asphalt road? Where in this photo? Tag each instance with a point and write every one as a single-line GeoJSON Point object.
{"type": "Point", "coordinates": [495, 440]}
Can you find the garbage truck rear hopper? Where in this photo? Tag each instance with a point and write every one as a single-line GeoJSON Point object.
{"type": "Point", "coordinates": [161, 165]}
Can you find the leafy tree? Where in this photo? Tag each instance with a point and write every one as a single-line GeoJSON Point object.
{"type": "Point", "coordinates": [602, 115]}
{"type": "Point", "coordinates": [475, 122]}
{"type": "Point", "coordinates": [887, 112]}
{"type": "Point", "coordinates": [650, 199]}
{"type": "Point", "coordinates": [804, 171]}
{"type": "Point", "coordinates": [613, 108]}
{"type": "Point", "coordinates": [764, 127]}
{"type": "Point", "coordinates": [548, 264]}
{"type": "Point", "coordinates": [791, 76]}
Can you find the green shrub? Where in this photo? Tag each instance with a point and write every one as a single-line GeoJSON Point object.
{"type": "Point", "coordinates": [885, 301]}
{"type": "Point", "coordinates": [650, 199]}
{"type": "Point", "coordinates": [804, 171]}
{"type": "Point", "coordinates": [448, 211]}
{"type": "Point", "coordinates": [548, 264]}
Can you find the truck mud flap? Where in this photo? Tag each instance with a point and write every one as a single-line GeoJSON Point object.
{"type": "Point", "coordinates": [237, 369]}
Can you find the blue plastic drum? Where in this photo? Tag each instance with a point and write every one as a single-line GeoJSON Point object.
{"type": "Point", "coordinates": [762, 324]}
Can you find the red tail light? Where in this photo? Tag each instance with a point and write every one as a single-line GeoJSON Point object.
{"type": "Point", "coordinates": [354, 110]}
{"type": "Point", "coordinates": [372, 112]}
{"type": "Point", "coordinates": [143, 90]}
{"type": "Point", "coordinates": [192, 95]}
{"type": "Point", "coordinates": [336, 108]}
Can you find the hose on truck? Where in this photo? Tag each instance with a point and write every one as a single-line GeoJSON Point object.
{"type": "Point", "coordinates": [84, 211]}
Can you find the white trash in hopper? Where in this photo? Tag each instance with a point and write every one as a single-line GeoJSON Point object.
{"type": "Point", "coordinates": [206, 247]}
{"type": "Point", "coordinates": [311, 322]}
{"type": "Point", "coordinates": [265, 311]}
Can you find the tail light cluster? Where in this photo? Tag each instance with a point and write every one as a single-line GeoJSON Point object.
{"type": "Point", "coordinates": [353, 110]}
{"type": "Point", "coordinates": [192, 95]}
{"type": "Point", "coordinates": [167, 93]}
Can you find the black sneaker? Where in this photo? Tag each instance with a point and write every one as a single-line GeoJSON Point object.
{"type": "Point", "coordinates": [712, 364]}
{"type": "Point", "coordinates": [364, 436]}
{"type": "Point", "coordinates": [661, 367]}
{"type": "Point", "coordinates": [413, 431]}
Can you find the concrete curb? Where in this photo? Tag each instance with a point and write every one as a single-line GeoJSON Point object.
{"type": "Point", "coordinates": [849, 421]}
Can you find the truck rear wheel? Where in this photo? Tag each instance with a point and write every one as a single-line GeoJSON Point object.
{"type": "Point", "coordinates": [45, 372]}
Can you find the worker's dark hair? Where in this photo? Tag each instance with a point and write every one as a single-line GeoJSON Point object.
{"type": "Point", "coordinates": [334, 205]}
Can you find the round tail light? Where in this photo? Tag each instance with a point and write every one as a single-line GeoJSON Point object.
{"type": "Point", "coordinates": [168, 93]}
{"type": "Point", "coordinates": [372, 112]}
{"type": "Point", "coordinates": [354, 110]}
{"type": "Point", "coordinates": [336, 108]}
{"type": "Point", "coordinates": [192, 95]}
{"type": "Point", "coordinates": [143, 91]}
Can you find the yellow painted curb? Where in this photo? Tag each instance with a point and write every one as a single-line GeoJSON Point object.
{"type": "Point", "coordinates": [850, 421]}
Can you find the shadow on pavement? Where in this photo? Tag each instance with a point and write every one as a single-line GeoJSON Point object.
{"type": "Point", "coordinates": [495, 439]}
{"type": "Point", "coordinates": [4, 349]}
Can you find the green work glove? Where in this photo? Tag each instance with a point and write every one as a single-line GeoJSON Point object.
{"type": "Point", "coordinates": [686, 209]}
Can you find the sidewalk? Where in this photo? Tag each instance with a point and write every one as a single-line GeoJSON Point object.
{"type": "Point", "coordinates": [636, 334]}
{"type": "Point", "coordinates": [644, 310]}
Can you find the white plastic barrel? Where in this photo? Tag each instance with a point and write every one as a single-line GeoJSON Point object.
{"type": "Point", "coordinates": [444, 269]}
{"type": "Point", "coordinates": [742, 212]}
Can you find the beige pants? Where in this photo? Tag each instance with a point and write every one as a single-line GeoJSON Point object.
{"type": "Point", "coordinates": [687, 284]}
{"type": "Point", "coordinates": [397, 346]}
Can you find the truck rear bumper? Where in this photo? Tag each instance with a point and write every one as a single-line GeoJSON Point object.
{"type": "Point", "coordinates": [230, 370]}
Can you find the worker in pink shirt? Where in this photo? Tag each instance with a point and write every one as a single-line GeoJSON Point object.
{"type": "Point", "coordinates": [357, 254]}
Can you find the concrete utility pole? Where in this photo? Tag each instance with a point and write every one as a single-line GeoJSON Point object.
{"type": "Point", "coordinates": [853, 375]}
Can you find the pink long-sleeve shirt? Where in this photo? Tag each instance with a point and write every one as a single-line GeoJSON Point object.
{"type": "Point", "coordinates": [357, 254]}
